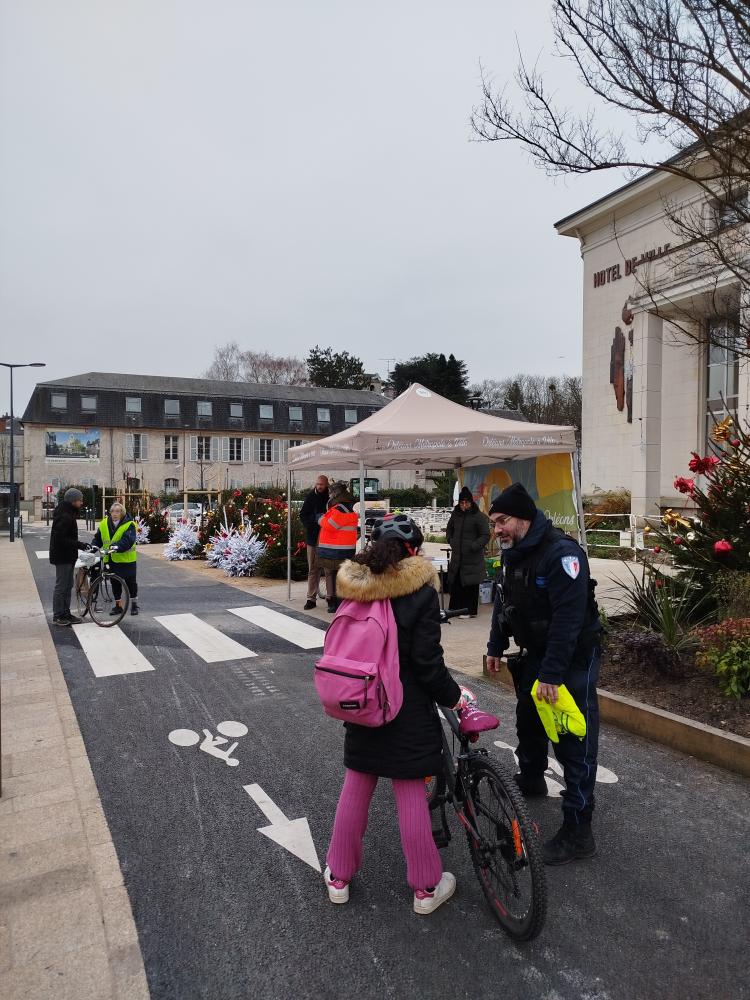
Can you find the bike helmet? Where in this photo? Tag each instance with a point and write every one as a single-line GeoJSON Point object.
{"type": "Point", "coordinates": [398, 526]}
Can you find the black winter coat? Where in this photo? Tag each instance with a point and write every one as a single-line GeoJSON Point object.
{"type": "Point", "coordinates": [411, 745]}
{"type": "Point", "coordinates": [467, 533]}
{"type": "Point", "coordinates": [314, 506]}
{"type": "Point", "coordinates": [63, 538]}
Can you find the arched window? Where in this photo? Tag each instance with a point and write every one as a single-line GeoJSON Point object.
{"type": "Point", "coordinates": [171, 485]}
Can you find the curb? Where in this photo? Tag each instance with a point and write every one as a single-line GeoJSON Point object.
{"type": "Point", "coordinates": [694, 738]}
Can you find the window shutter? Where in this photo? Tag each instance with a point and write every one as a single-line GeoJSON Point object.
{"type": "Point", "coordinates": [128, 447]}
{"type": "Point", "coordinates": [285, 452]}
{"type": "Point", "coordinates": [215, 444]}
{"type": "Point", "coordinates": [256, 450]}
{"type": "Point", "coordinates": [144, 447]}
{"type": "Point", "coordinates": [193, 448]}
{"type": "Point", "coordinates": [276, 451]}
{"type": "Point", "coordinates": [225, 449]}
{"type": "Point", "coordinates": [246, 449]}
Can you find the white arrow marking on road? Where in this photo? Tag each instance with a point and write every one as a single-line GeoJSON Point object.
{"type": "Point", "coordinates": [292, 834]}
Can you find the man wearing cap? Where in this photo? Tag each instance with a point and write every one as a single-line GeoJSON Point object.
{"type": "Point", "coordinates": [545, 602]}
{"type": "Point", "coordinates": [63, 552]}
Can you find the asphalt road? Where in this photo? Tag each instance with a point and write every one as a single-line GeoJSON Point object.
{"type": "Point", "coordinates": [224, 912]}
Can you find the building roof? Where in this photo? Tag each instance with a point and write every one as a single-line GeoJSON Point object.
{"type": "Point", "coordinates": [215, 387]}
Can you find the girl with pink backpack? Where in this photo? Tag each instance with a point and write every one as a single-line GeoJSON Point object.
{"type": "Point", "coordinates": [403, 744]}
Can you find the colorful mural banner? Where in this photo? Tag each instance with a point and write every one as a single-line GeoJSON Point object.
{"type": "Point", "coordinates": [82, 445]}
{"type": "Point", "coordinates": [548, 479]}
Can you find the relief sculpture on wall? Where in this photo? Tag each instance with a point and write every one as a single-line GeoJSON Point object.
{"type": "Point", "coordinates": [621, 366]}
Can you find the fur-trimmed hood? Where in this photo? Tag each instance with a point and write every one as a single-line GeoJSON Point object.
{"type": "Point", "coordinates": [358, 583]}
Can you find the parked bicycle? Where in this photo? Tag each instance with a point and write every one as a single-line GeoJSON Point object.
{"type": "Point", "coordinates": [503, 843]}
{"type": "Point", "coordinates": [93, 589]}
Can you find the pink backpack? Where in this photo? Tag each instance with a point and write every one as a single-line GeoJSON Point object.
{"type": "Point", "coordinates": [357, 677]}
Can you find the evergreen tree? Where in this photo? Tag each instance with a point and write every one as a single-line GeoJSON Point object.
{"type": "Point", "coordinates": [717, 535]}
{"type": "Point", "coordinates": [339, 370]}
{"type": "Point", "coordinates": [448, 377]}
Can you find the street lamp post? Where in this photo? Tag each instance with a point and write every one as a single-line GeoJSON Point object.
{"type": "Point", "coordinates": [10, 367]}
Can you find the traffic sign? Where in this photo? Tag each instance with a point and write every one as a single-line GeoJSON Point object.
{"type": "Point", "coordinates": [48, 488]}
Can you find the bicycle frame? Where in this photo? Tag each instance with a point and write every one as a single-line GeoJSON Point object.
{"type": "Point", "coordinates": [455, 772]}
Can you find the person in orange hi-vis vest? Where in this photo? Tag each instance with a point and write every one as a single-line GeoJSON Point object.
{"type": "Point", "coordinates": [337, 541]}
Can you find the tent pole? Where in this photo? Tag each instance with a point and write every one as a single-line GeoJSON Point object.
{"type": "Point", "coordinates": [361, 505]}
{"type": "Point", "coordinates": [579, 502]}
{"type": "Point", "coordinates": [289, 535]}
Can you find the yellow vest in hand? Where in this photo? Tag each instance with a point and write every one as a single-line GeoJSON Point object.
{"type": "Point", "coordinates": [562, 717]}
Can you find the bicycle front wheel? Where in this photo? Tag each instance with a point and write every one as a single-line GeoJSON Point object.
{"type": "Point", "coordinates": [81, 591]}
{"type": "Point", "coordinates": [507, 857]}
{"type": "Point", "coordinates": [102, 600]}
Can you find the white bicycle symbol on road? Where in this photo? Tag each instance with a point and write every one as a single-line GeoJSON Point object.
{"type": "Point", "coordinates": [211, 744]}
{"type": "Point", "coordinates": [603, 774]}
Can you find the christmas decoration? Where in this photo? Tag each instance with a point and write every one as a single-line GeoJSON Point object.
{"type": "Point", "coordinates": [141, 530]}
{"type": "Point", "coordinates": [241, 552]}
{"type": "Point", "coordinates": [718, 532]}
{"type": "Point", "coordinates": [184, 543]}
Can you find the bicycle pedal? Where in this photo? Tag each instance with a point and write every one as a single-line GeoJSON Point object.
{"type": "Point", "coordinates": [441, 838]}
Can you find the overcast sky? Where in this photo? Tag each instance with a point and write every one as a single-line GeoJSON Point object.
{"type": "Point", "coordinates": [175, 175]}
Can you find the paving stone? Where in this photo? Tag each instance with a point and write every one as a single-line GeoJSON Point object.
{"type": "Point", "coordinates": [43, 823]}
{"type": "Point", "coordinates": [83, 974]}
{"type": "Point", "coordinates": [47, 927]}
{"type": "Point", "coordinates": [44, 856]}
{"type": "Point", "coordinates": [5, 955]}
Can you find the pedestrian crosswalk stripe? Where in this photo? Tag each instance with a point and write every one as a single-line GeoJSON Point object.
{"type": "Point", "coordinates": [109, 651]}
{"type": "Point", "coordinates": [302, 635]}
{"type": "Point", "coordinates": [208, 642]}
{"type": "Point", "coordinates": [42, 554]}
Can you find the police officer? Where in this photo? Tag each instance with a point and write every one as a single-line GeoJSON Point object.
{"type": "Point", "coordinates": [545, 602]}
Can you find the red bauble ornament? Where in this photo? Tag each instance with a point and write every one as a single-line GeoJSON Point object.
{"type": "Point", "coordinates": [722, 547]}
{"type": "Point", "coordinates": [677, 540]}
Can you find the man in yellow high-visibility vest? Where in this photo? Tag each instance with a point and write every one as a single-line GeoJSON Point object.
{"type": "Point", "coordinates": [117, 533]}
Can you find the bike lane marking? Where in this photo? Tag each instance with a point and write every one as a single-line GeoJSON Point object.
{"type": "Point", "coordinates": [302, 635]}
{"type": "Point", "coordinates": [109, 651]}
{"type": "Point", "coordinates": [42, 554]}
{"type": "Point", "coordinates": [206, 641]}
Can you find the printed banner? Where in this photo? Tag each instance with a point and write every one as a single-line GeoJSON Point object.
{"type": "Point", "coordinates": [73, 446]}
{"type": "Point", "coordinates": [548, 480]}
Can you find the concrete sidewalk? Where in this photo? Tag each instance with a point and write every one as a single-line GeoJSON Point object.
{"type": "Point", "coordinates": [66, 926]}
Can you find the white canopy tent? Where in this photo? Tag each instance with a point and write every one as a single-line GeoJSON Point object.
{"type": "Point", "coordinates": [422, 429]}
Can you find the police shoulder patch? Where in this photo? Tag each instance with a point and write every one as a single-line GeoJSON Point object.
{"type": "Point", "coordinates": [571, 565]}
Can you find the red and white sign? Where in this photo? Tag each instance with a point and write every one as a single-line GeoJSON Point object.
{"type": "Point", "coordinates": [48, 488]}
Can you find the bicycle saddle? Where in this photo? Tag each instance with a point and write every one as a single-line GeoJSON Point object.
{"type": "Point", "coordinates": [475, 721]}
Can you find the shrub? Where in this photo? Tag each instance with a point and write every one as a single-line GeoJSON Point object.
{"type": "Point", "coordinates": [733, 594]}
{"type": "Point", "coordinates": [725, 650]}
{"type": "Point", "coordinates": [669, 606]}
{"type": "Point", "coordinates": [413, 497]}
{"type": "Point", "coordinates": [646, 649]}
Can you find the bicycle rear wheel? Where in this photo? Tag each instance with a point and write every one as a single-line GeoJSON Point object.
{"type": "Point", "coordinates": [322, 593]}
{"type": "Point", "coordinates": [102, 600]}
{"type": "Point", "coordinates": [507, 857]}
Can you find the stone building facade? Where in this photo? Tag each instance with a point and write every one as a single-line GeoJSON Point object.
{"type": "Point", "coordinates": [651, 385]}
{"type": "Point", "coordinates": [133, 432]}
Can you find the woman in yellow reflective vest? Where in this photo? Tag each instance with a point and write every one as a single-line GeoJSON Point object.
{"type": "Point", "coordinates": [117, 532]}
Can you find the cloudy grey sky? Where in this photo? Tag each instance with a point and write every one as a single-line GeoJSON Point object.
{"type": "Point", "coordinates": [176, 174]}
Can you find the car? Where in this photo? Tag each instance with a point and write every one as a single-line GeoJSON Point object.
{"type": "Point", "coordinates": [176, 512]}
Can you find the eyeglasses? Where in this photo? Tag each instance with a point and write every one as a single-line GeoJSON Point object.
{"type": "Point", "coordinates": [502, 520]}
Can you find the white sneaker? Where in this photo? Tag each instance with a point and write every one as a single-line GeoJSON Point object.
{"type": "Point", "coordinates": [338, 890]}
{"type": "Point", "coordinates": [426, 902]}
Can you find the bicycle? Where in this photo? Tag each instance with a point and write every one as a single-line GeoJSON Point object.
{"type": "Point", "coordinates": [93, 588]}
{"type": "Point", "coordinates": [503, 843]}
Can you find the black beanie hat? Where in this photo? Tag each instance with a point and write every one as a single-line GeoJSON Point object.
{"type": "Point", "coordinates": [515, 502]}
{"type": "Point", "coordinates": [465, 494]}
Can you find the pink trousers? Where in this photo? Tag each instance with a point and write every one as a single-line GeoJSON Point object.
{"type": "Point", "coordinates": [423, 864]}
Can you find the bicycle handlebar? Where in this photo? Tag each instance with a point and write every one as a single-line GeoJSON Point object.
{"type": "Point", "coordinates": [447, 615]}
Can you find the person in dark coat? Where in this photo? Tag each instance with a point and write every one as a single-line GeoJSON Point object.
{"type": "Point", "coordinates": [408, 749]}
{"type": "Point", "coordinates": [546, 603]}
{"type": "Point", "coordinates": [313, 508]}
{"type": "Point", "coordinates": [63, 553]}
{"type": "Point", "coordinates": [467, 534]}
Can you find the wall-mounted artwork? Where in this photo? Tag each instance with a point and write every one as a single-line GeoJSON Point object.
{"type": "Point", "coordinates": [621, 368]}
